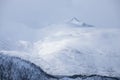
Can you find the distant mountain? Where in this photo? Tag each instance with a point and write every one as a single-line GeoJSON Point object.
{"type": "Point", "coordinates": [67, 49]}
{"type": "Point", "coordinates": [76, 50]}
{"type": "Point", "coordinates": [76, 22]}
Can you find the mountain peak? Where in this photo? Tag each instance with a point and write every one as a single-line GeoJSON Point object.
{"type": "Point", "coordinates": [74, 20]}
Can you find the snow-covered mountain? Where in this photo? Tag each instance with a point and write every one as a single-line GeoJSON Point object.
{"type": "Point", "coordinates": [72, 50]}
{"type": "Point", "coordinates": [77, 23]}
{"type": "Point", "coordinates": [68, 49]}
{"type": "Point", "coordinates": [14, 68]}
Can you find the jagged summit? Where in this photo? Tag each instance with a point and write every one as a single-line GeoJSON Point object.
{"type": "Point", "coordinates": [76, 22]}
{"type": "Point", "coordinates": [74, 19]}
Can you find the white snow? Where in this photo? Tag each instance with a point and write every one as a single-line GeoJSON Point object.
{"type": "Point", "coordinates": [68, 50]}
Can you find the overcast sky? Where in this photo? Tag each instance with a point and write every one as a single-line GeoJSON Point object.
{"type": "Point", "coordinates": [39, 13]}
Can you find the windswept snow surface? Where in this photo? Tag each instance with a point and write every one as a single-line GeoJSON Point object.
{"type": "Point", "coordinates": [69, 50]}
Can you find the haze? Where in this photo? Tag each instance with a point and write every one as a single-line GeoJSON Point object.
{"type": "Point", "coordinates": [40, 13]}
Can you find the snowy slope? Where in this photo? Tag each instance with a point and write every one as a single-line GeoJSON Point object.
{"type": "Point", "coordinates": [14, 68]}
{"type": "Point", "coordinates": [84, 51]}
{"type": "Point", "coordinates": [69, 50]}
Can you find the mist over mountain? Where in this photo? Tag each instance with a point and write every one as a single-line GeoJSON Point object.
{"type": "Point", "coordinates": [59, 40]}
{"type": "Point", "coordinates": [39, 13]}
{"type": "Point", "coordinates": [75, 49]}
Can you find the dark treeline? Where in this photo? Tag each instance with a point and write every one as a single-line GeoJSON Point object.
{"type": "Point", "coordinates": [14, 68]}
